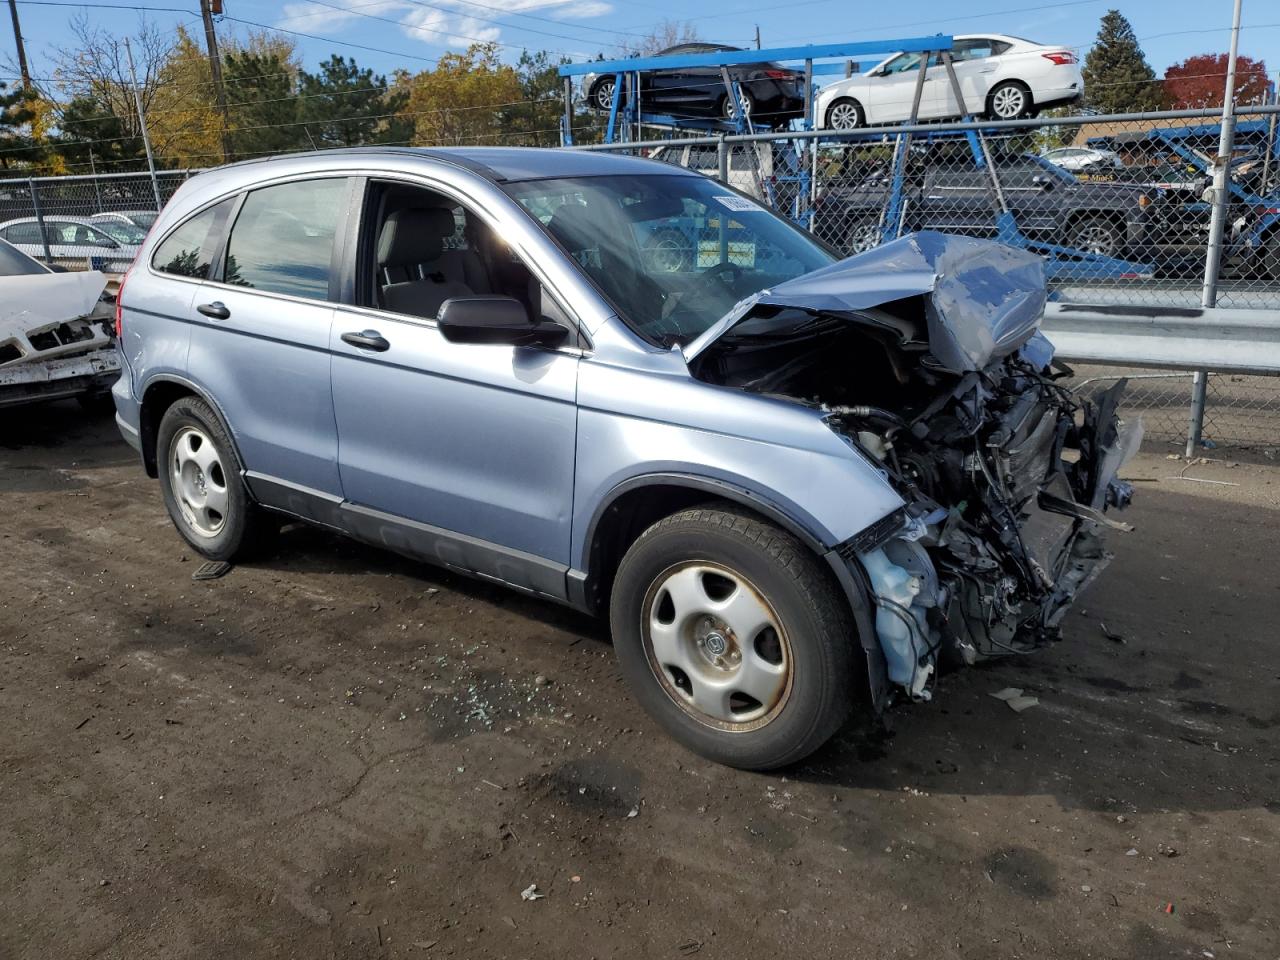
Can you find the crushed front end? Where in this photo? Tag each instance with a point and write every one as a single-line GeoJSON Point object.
{"type": "Point", "coordinates": [944, 382]}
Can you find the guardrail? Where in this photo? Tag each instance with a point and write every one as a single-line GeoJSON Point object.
{"type": "Point", "coordinates": [1219, 340]}
{"type": "Point", "coordinates": [1202, 340]}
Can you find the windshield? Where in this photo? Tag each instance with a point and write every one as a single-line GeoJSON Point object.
{"type": "Point", "coordinates": [121, 231]}
{"type": "Point", "coordinates": [15, 263]}
{"type": "Point", "coordinates": [672, 253]}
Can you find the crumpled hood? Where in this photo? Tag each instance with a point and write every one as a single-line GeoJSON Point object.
{"type": "Point", "coordinates": [983, 299]}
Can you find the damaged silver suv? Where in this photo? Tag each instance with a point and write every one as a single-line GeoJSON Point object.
{"type": "Point", "coordinates": [791, 482]}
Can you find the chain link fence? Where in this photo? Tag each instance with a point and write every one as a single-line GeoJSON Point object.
{"type": "Point", "coordinates": [1120, 209]}
{"type": "Point", "coordinates": [84, 222]}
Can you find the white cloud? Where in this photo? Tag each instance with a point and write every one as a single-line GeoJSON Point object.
{"type": "Point", "coordinates": [448, 29]}
{"type": "Point", "coordinates": [311, 17]}
{"type": "Point", "coordinates": [460, 25]}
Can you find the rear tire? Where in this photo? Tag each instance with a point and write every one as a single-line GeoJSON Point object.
{"type": "Point", "coordinates": [846, 114]}
{"type": "Point", "coordinates": [734, 637]}
{"type": "Point", "coordinates": [601, 96]}
{"type": "Point", "coordinates": [728, 109]}
{"type": "Point", "coordinates": [1010, 100]}
{"type": "Point", "coordinates": [1095, 234]}
{"type": "Point", "coordinates": [201, 481]}
{"type": "Point", "coordinates": [860, 235]}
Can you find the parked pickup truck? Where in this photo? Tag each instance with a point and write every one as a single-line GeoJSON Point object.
{"type": "Point", "coordinates": [955, 195]}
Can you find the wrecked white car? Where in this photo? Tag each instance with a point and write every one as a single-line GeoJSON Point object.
{"type": "Point", "coordinates": [56, 335]}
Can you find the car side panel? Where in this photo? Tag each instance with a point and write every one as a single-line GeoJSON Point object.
{"type": "Point", "coordinates": [156, 340]}
{"type": "Point", "coordinates": [634, 423]}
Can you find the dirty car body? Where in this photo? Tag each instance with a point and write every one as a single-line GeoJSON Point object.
{"type": "Point", "coordinates": [772, 469]}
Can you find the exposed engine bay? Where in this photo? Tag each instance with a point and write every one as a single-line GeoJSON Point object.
{"type": "Point", "coordinates": [949, 389]}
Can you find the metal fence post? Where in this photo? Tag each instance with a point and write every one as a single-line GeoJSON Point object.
{"type": "Point", "coordinates": [39, 212]}
{"type": "Point", "coordinates": [722, 160]}
{"type": "Point", "coordinates": [1217, 225]}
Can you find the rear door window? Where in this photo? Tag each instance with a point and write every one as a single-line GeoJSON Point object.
{"type": "Point", "coordinates": [24, 233]}
{"type": "Point", "coordinates": [189, 250]}
{"type": "Point", "coordinates": [282, 240]}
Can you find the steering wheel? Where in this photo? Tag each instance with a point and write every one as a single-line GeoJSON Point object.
{"type": "Point", "coordinates": [721, 271]}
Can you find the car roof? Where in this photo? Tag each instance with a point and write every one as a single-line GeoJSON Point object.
{"type": "Point", "coordinates": [498, 164]}
{"type": "Point", "coordinates": [61, 217]}
{"type": "Point", "coordinates": [696, 46]}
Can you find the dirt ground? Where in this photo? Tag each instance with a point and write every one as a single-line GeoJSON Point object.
{"type": "Point", "coordinates": [338, 753]}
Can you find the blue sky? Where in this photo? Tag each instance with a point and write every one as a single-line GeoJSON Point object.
{"type": "Point", "coordinates": [413, 33]}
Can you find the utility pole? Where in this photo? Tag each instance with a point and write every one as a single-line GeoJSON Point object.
{"type": "Point", "coordinates": [142, 121]}
{"type": "Point", "coordinates": [207, 10]}
{"type": "Point", "coordinates": [757, 36]}
{"type": "Point", "coordinates": [22, 50]}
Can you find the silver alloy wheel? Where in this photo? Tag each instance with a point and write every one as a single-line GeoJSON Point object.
{"type": "Point", "coordinates": [716, 645]}
{"type": "Point", "coordinates": [604, 94]}
{"type": "Point", "coordinates": [863, 236]}
{"type": "Point", "coordinates": [1009, 102]}
{"type": "Point", "coordinates": [843, 116]}
{"type": "Point", "coordinates": [199, 481]}
{"type": "Point", "coordinates": [1099, 238]}
{"type": "Point", "coordinates": [731, 111]}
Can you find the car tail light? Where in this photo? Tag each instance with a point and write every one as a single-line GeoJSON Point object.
{"type": "Point", "coordinates": [1060, 57]}
{"type": "Point", "coordinates": [781, 75]}
{"type": "Point", "coordinates": [120, 304]}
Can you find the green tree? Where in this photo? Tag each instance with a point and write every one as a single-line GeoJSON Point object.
{"type": "Point", "coordinates": [18, 147]}
{"type": "Point", "coordinates": [262, 99]}
{"type": "Point", "coordinates": [1117, 77]}
{"type": "Point", "coordinates": [461, 100]}
{"type": "Point", "coordinates": [537, 118]}
{"type": "Point", "coordinates": [346, 106]}
{"type": "Point", "coordinates": [93, 138]}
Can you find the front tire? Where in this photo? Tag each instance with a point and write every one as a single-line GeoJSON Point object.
{"type": "Point", "coordinates": [200, 479]}
{"type": "Point", "coordinates": [734, 637]}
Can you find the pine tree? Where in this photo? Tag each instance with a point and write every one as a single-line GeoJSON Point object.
{"type": "Point", "coordinates": [346, 106]}
{"type": "Point", "coordinates": [17, 111]}
{"type": "Point", "coordinates": [1117, 77]}
{"type": "Point", "coordinates": [262, 102]}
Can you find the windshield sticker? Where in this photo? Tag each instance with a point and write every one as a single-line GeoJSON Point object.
{"type": "Point", "coordinates": [740, 204]}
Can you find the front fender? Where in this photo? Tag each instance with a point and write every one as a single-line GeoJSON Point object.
{"type": "Point", "coordinates": [778, 456]}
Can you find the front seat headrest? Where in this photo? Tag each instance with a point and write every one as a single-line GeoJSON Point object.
{"type": "Point", "coordinates": [414, 235]}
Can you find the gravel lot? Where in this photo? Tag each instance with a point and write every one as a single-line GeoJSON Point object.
{"type": "Point", "coordinates": [337, 753]}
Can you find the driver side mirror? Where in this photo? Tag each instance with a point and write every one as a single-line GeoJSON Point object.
{"type": "Point", "coordinates": [496, 320]}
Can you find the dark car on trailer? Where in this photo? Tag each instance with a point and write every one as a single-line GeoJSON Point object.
{"type": "Point", "coordinates": [951, 193]}
{"type": "Point", "coordinates": [771, 93]}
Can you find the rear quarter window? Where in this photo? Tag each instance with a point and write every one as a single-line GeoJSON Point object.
{"type": "Point", "coordinates": [189, 250]}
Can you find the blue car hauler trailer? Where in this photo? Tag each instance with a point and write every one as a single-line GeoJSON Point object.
{"type": "Point", "coordinates": [627, 78]}
{"type": "Point", "coordinates": [1062, 263]}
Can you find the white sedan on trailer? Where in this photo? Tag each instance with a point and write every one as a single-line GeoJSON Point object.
{"type": "Point", "coordinates": [1000, 77]}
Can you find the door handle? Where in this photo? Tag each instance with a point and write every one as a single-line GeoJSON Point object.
{"type": "Point", "coordinates": [367, 340]}
{"type": "Point", "coordinates": [218, 310]}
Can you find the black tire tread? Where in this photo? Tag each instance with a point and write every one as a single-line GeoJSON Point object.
{"type": "Point", "coordinates": [819, 591]}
